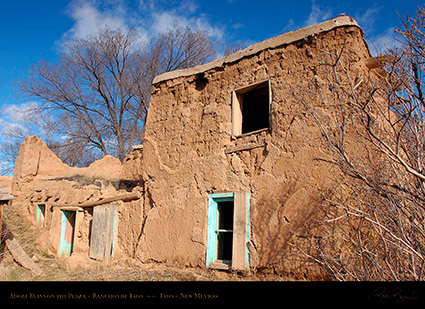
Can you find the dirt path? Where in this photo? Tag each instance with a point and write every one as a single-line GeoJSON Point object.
{"type": "Point", "coordinates": [128, 270]}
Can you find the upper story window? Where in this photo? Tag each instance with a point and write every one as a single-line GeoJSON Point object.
{"type": "Point", "coordinates": [251, 108]}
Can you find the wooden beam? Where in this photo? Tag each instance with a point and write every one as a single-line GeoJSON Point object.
{"type": "Point", "coordinates": [378, 62]}
{"type": "Point", "coordinates": [122, 197]}
{"type": "Point", "coordinates": [70, 208]}
{"type": "Point", "coordinates": [244, 147]}
{"type": "Point", "coordinates": [19, 254]}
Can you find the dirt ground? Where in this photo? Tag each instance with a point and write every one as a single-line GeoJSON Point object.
{"type": "Point", "coordinates": [58, 270]}
{"type": "Point", "coordinates": [79, 268]}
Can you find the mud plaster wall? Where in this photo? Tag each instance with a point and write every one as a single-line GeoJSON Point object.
{"type": "Point", "coordinates": [188, 131]}
{"type": "Point", "coordinates": [42, 178]}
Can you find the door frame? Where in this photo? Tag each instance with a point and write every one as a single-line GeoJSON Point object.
{"type": "Point", "coordinates": [65, 248]}
{"type": "Point", "coordinates": [241, 230]}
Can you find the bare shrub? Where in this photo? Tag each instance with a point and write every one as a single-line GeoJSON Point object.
{"type": "Point", "coordinates": [373, 125]}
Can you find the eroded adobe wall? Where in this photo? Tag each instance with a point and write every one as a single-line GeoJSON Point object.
{"type": "Point", "coordinates": [42, 178]}
{"type": "Point", "coordinates": [189, 129]}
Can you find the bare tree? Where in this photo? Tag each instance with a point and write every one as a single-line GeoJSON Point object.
{"type": "Point", "coordinates": [98, 94]}
{"type": "Point", "coordinates": [374, 224]}
{"type": "Point", "coordinates": [181, 48]}
{"type": "Point", "coordinates": [94, 90]}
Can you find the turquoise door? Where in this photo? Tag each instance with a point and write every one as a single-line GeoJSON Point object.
{"type": "Point", "coordinates": [215, 232]}
{"type": "Point", "coordinates": [67, 232]}
{"type": "Point", "coordinates": [228, 230]}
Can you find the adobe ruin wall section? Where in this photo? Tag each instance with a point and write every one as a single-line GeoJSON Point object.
{"type": "Point", "coordinates": [41, 178]}
{"type": "Point", "coordinates": [189, 153]}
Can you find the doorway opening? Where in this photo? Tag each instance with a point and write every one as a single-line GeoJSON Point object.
{"type": "Point", "coordinates": [228, 231]}
{"type": "Point", "coordinates": [225, 231]}
{"type": "Point", "coordinates": [41, 214]}
{"type": "Point", "coordinates": [67, 232]}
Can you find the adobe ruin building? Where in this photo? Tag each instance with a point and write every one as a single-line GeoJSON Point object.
{"type": "Point", "coordinates": [62, 201]}
{"type": "Point", "coordinates": [224, 177]}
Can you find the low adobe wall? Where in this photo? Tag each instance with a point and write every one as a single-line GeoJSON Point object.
{"type": "Point", "coordinates": [41, 178]}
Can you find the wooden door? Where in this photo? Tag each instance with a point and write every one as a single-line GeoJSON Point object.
{"type": "Point", "coordinates": [103, 232]}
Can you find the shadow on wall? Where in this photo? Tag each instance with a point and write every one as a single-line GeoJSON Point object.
{"type": "Point", "coordinates": [283, 224]}
{"type": "Point", "coordinates": [120, 184]}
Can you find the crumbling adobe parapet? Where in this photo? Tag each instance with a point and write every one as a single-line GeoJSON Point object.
{"type": "Point", "coordinates": [36, 160]}
{"type": "Point", "coordinates": [283, 39]}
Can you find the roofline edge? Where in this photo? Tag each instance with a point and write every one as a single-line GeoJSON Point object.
{"type": "Point", "coordinates": [283, 39]}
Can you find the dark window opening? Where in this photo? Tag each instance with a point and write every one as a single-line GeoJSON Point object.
{"type": "Point", "coordinates": [200, 81]}
{"type": "Point", "coordinates": [224, 246]}
{"type": "Point", "coordinates": [251, 108]}
{"type": "Point", "coordinates": [42, 208]}
{"type": "Point", "coordinates": [225, 215]}
{"type": "Point", "coordinates": [225, 230]}
{"type": "Point", "coordinates": [255, 109]}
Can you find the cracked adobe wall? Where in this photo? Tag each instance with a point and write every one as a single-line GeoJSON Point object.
{"type": "Point", "coordinates": [189, 151]}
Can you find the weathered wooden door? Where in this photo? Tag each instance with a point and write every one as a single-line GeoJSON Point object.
{"type": "Point", "coordinates": [103, 232]}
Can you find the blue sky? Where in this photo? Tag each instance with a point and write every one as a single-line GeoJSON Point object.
{"type": "Point", "coordinates": [32, 31]}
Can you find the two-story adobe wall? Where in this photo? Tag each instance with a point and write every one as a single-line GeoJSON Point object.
{"type": "Point", "coordinates": [192, 149]}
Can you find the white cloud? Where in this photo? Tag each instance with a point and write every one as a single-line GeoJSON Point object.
{"type": "Point", "coordinates": [379, 44]}
{"type": "Point", "coordinates": [189, 5]}
{"type": "Point", "coordinates": [317, 14]}
{"type": "Point", "coordinates": [164, 21]}
{"type": "Point", "coordinates": [3, 166]}
{"type": "Point", "coordinates": [368, 18]}
{"type": "Point", "coordinates": [148, 18]}
{"type": "Point", "coordinates": [89, 19]}
{"type": "Point", "coordinates": [20, 113]}
{"type": "Point", "coordinates": [290, 26]}
{"type": "Point", "coordinates": [3, 126]}
{"type": "Point", "coordinates": [18, 119]}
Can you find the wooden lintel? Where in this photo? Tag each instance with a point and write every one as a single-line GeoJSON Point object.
{"type": "Point", "coordinates": [70, 208]}
{"type": "Point", "coordinates": [244, 147]}
{"type": "Point", "coordinates": [122, 197]}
